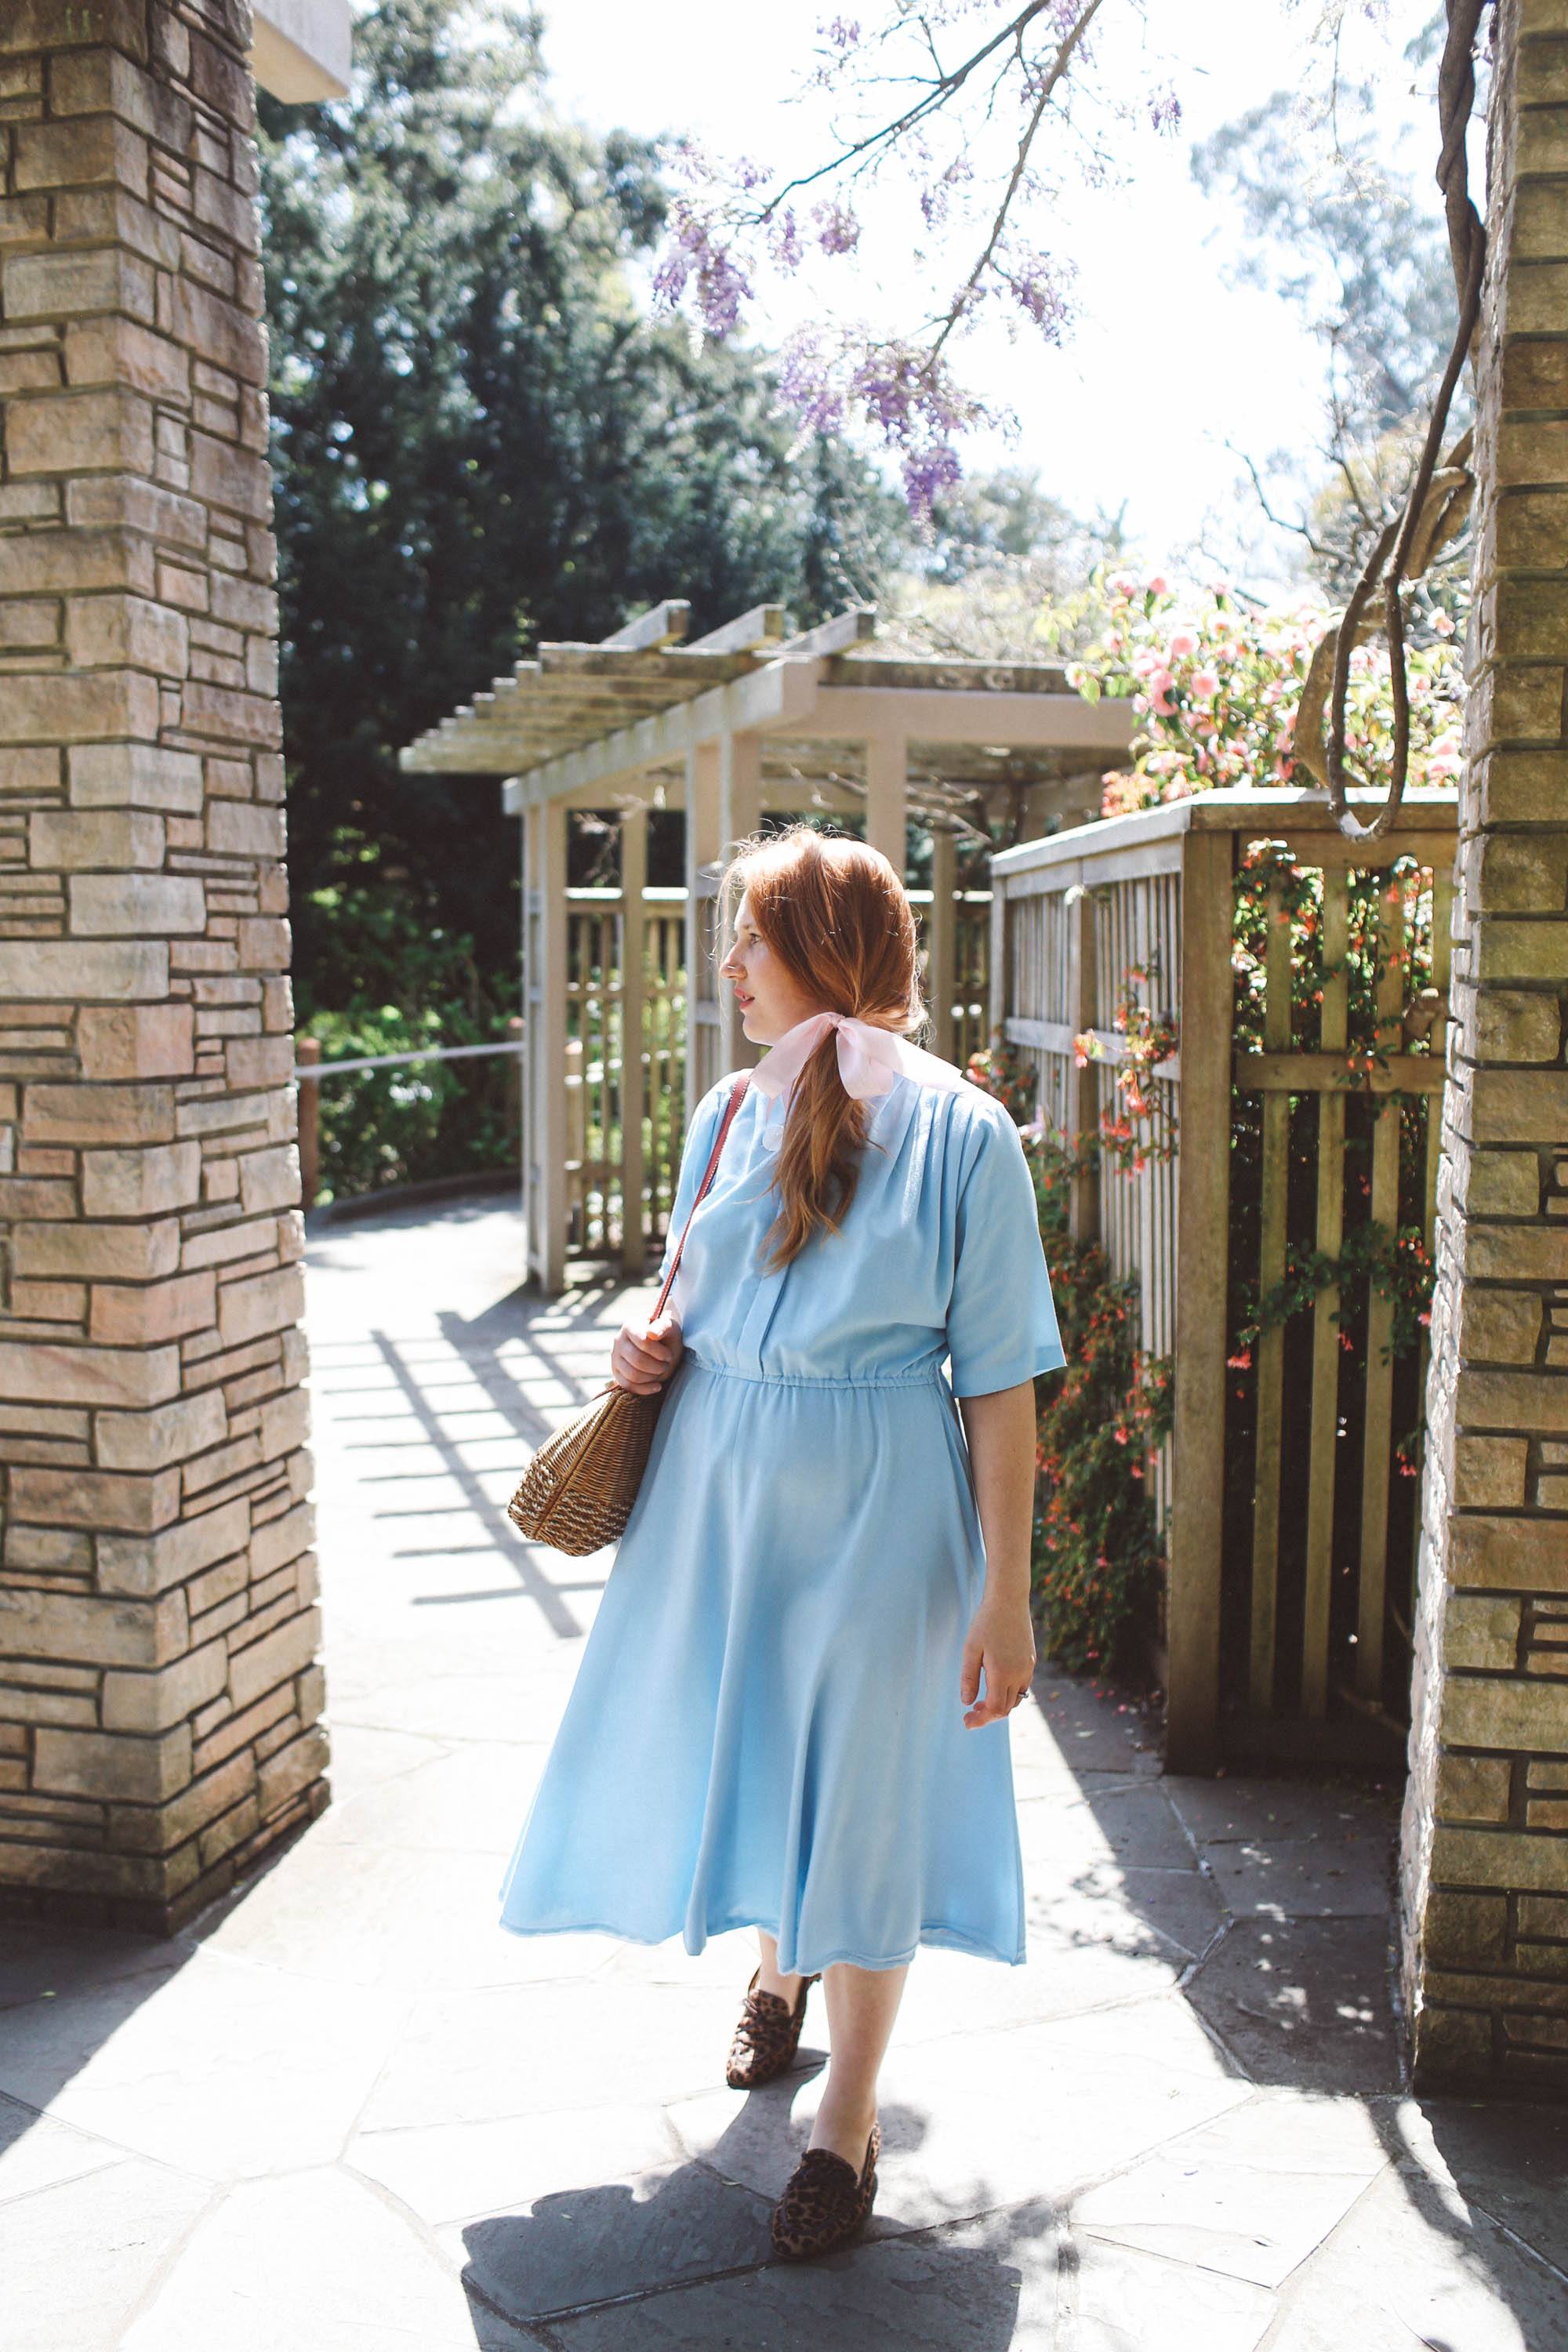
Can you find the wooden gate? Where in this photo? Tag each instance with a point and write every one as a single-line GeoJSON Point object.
{"type": "Point", "coordinates": [1289, 1530]}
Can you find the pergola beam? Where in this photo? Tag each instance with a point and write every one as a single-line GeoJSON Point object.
{"type": "Point", "coordinates": [837, 635]}
{"type": "Point", "coordinates": [787, 697]}
{"type": "Point", "coordinates": [661, 666]}
{"type": "Point", "coordinates": [747, 721]}
{"type": "Point", "coordinates": [768, 699]}
{"type": "Point", "coordinates": [927, 715]}
{"type": "Point", "coordinates": [764, 625]}
{"type": "Point", "coordinates": [581, 716]}
{"type": "Point", "coordinates": [663, 624]}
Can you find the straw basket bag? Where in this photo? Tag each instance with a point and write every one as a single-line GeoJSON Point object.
{"type": "Point", "coordinates": [576, 1494]}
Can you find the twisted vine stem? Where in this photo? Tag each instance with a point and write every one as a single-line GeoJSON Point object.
{"type": "Point", "coordinates": [1439, 496]}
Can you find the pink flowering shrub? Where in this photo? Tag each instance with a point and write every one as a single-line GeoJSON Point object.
{"type": "Point", "coordinates": [1217, 684]}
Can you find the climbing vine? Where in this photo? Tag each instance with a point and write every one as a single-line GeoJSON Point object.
{"type": "Point", "coordinates": [1397, 1265]}
{"type": "Point", "coordinates": [1140, 1125]}
{"type": "Point", "coordinates": [1272, 887]}
{"type": "Point", "coordinates": [1097, 1551]}
{"type": "Point", "coordinates": [1388, 920]}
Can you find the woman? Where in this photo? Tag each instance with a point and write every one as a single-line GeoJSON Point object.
{"type": "Point", "coordinates": [791, 1713]}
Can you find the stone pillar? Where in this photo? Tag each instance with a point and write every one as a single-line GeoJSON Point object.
{"type": "Point", "coordinates": [157, 1690]}
{"type": "Point", "coordinates": [1485, 1861]}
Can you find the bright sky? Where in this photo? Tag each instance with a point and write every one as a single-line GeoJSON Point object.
{"type": "Point", "coordinates": [1167, 363]}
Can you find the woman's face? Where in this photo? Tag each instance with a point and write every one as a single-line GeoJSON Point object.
{"type": "Point", "coordinates": [770, 1000]}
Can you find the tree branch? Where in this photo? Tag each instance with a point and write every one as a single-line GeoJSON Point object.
{"type": "Point", "coordinates": [1279, 521]}
{"type": "Point", "coordinates": [945, 87]}
{"type": "Point", "coordinates": [1391, 558]}
{"type": "Point", "coordinates": [1062, 60]}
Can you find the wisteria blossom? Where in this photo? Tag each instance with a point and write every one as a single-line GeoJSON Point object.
{"type": "Point", "coordinates": [838, 230]}
{"type": "Point", "coordinates": [976, 113]}
{"type": "Point", "coordinates": [919, 413]}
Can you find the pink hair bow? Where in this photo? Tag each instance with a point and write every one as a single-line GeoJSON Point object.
{"type": "Point", "coordinates": [869, 1058]}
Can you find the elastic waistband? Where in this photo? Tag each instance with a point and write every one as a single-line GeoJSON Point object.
{"type": "Point", "coordinates": [925, 1374]}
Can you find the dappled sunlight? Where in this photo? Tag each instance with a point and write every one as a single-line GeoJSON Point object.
{"type": "Point", "coordinates": [1185, 2102]}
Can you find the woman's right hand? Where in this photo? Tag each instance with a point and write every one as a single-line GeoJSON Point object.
{"type": "Point", "coordinates": [643, 1355]}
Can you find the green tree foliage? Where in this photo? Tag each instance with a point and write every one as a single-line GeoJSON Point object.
{"type": "Point", "coordinates": [481, 441]}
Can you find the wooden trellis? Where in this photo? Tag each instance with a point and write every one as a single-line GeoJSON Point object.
{"type": "Point", "coordinates": [1283, 1073]}
{"type": "Point", "coordinates": [750, 721]}
{"type": "Point", "coordinates": [1297, 1671]}
{"type": "Point", "coordinates": [603, 1000]}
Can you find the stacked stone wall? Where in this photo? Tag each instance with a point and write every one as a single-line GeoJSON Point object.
{"type": "Point", "coordinates": [158, 1691]}
{"type": "Point", "coordinates": [1485, 1861]}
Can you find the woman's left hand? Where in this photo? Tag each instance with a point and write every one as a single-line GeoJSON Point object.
{"type": "Point", "coordinates": [1001, 1640]}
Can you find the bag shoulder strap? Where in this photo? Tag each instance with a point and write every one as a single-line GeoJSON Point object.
{"type": "Point", "coordinates": [731, 1107]}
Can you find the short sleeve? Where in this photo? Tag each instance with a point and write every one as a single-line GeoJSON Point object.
{"type": "Point", "coordinates": [1000, 1318]}
{"type": "Point", "coordinates": [699, 1133]}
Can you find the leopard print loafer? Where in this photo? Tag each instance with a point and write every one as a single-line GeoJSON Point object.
{"type": "Point", "coordinates": [826, 2203]}
{"type": "Point", "coordinates": [767, 2036]}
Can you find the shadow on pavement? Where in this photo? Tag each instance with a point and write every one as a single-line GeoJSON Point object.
{"type": "Point", "coordinates": [575, 2262]}
{"type": "Point", "coordinates": [1185, 2124]}
{"type": "Point", "coordinates": [1275, 1900]}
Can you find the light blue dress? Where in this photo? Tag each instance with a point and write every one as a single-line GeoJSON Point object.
{"type": "Point", "coordinates": [765, 1729]}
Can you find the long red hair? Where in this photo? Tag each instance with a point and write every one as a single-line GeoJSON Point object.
{"type": "Point", "coordinates": [837, 916]}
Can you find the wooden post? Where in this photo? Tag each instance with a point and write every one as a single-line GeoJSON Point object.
{"type": "Point", "coordinates": [1323, 1441]}
{"type": "Point", "coordinates": [307, 1055]}
{"type": "Point", "coordinates": [533, 1000]}
{"type": "Point", "coordinates": [547, 1054]}
{"type": "Point", "coordinates": [634, 873]}
{"type": "Point", "coordinates": [533, 1015]}
{"type": "Point", "coordinates": [1378, 1423]}
{"type": "Point", "coordinates": [999, 991]}
{"type": "Point", "coordinates": [1202, 1218]}
{"type": "Point", "coordinates": [1442, 972]}
{"type": "Point", "coordinates": [1442, 975]}
{"type": "Point", "coordinates": [887, 799]}
{"type": "Point", "coordinates": [942, 941]}
{"type": "Point", "coordinates": [1083, 1085]}
{"type": "Point", "coordinates": [740, 813]}
{"type": "Point", "coordinates": [1269, 1455]}
{"type": "Point", "coordinates": [701, 849]}
{"type": "Point", "coordinates": [740, 788]}
{"type": "Point", "coordinates": [513, 1091]}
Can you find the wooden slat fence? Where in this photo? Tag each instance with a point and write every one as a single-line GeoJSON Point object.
{"type": "Point", "coordinates": [1289, 1530]}
{"type": "Point", "coordinates": [1067, 930]}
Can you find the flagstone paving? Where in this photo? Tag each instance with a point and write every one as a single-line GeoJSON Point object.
{"type": "Point", "coordinates": [345, 2110]}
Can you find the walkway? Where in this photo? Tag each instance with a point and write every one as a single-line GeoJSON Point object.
{"type": "Point", "coordinates": [347, 2111]}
